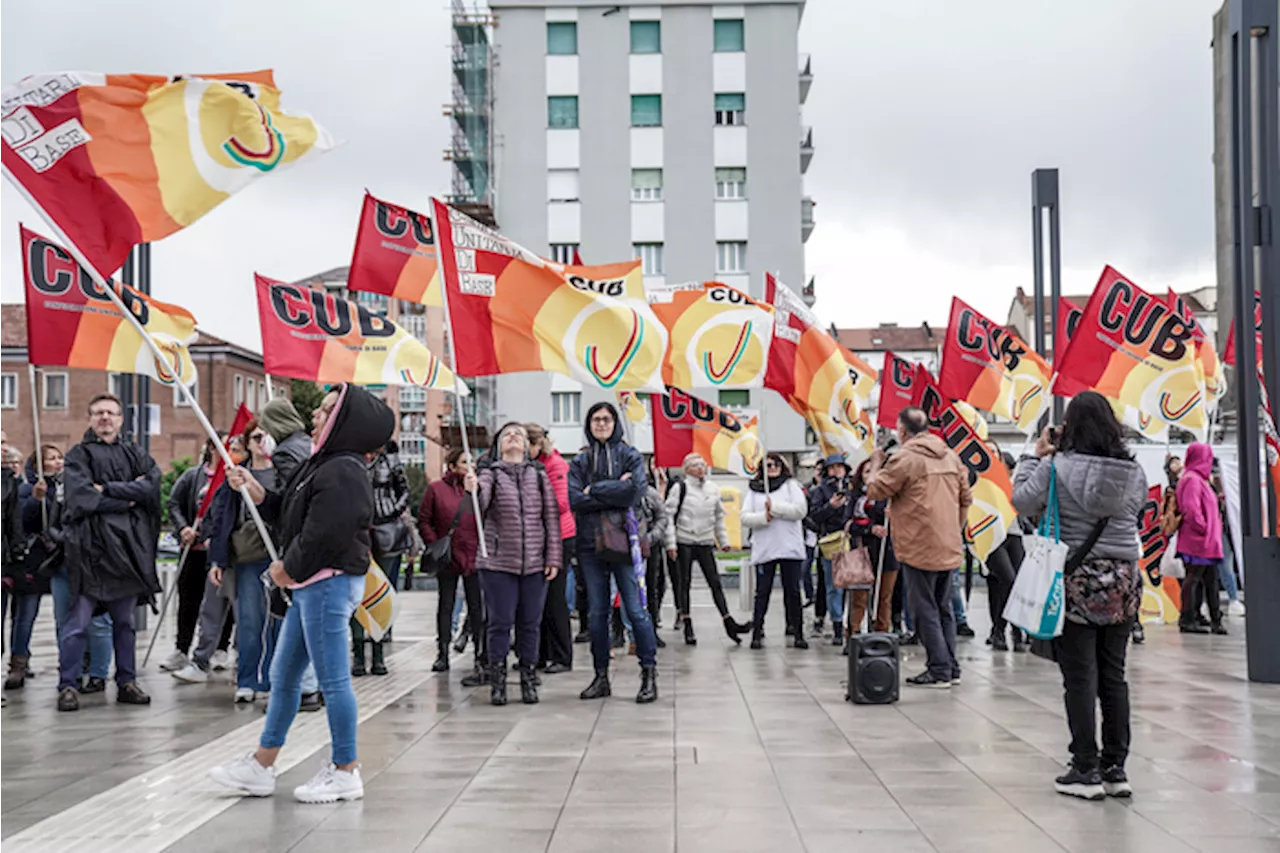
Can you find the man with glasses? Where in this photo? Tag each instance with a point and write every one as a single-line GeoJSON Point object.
{"type": "Point", "coordinates": [112, 526]}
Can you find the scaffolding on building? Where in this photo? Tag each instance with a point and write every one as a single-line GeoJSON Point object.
{"type": "Point", "coordinates": [471, 146]}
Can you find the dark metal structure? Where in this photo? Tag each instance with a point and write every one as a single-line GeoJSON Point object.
{"type": "Point", "coordinates": [1044, 196]}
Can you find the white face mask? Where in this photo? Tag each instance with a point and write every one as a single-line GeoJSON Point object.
{"type": "Point", "coordinates": [268, 444]}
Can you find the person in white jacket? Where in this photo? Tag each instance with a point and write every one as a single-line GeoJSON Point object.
{"type": "Point", "coordinates": [697, 528]}
{"type": "Point", "coordinates": [774, 509]}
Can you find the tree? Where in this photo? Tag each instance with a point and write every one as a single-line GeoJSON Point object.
{"type": "Point", "coordinates": [417, 486]}
{"type": "Point", "coordinates": [306, 398]}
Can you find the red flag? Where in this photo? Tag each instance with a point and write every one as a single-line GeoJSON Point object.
{"type": "Point", "coordinates": [897, 388]}
{"type": "Point", "coordinates": [577, 258]}
{"type": "Point", "coordinates": [395, 254]}
{"type": "Point", "coordinates": [1068, 321]}
{"type": "Point", "coordinates": [242, 418]}
{"type": "Point", "coordinates": [683, 424]}
{"type": "Point", "coordinates": [1229, 352]}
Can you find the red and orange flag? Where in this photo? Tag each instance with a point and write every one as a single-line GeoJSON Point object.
{"type": "Point", "coordinates": [395, 254]}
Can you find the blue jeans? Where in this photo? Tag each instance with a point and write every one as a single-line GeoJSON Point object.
{"type": "Point", "coordinates": [25, 608]}
{"type": "Point", "coordinates": [99, 631]}
{"type": "Point", "coordinates": [316, 627]}
{"type": "Point", "coordinates": [957, 598]}
{"type": "Point", "coordinates": [1226, 572]}
{"type": "Point", "coordinates": [806, 576]}
{"type": "Point", "coordinates": [597, 574]}
{"type": "Point", "coordinates": [256, 631]}
{"type": "Point", "coordinates": [835, 596]}
{"type": "Point", "coordinates": [571, 589]}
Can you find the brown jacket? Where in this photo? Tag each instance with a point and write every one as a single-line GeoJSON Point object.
{"type": "Point", "coordinates": [928, 492]}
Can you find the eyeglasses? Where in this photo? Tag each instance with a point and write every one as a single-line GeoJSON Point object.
{"type": "Point", "coordinates": [257, 436]}
{"type": "Point", "coordinates": [602, 420]}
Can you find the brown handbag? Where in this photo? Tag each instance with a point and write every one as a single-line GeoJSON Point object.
{"type": "Point", "coordinates": [853, 569]}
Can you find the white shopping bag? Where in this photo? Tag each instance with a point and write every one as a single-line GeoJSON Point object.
{"type": "Point", "coordinates": [1171, 565]}
{"type": "Point", "coordinates": [1036, 603]}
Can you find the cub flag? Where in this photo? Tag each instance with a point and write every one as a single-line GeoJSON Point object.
{"type": "Point", "coordinates": [395, 254]}
{"type": "Point", "coordinates": [511, 311]}
{"type": "Point", "coordinates": [854, 443]}
{"type": "Point", "coordinates": [1068, 319]}
{"type": "Point", "coordinates": [1134, 349]}
{"type": "Point", "coordinates": [717, 336]}
{"type": "Point", "coordinates": [119, 159]}
{"type": "Point", "coordinates": [308, 333]}
{"type": "Point", "coordinates": [1215, 377]}
{"type": "Point", "coordinates": [810, 369]}
{"type": "Point", "coordinates": [1161, 596]}
{"type": "Point", "coordinates": [72, 322]}
{"type": "Point", "coordinates": [897, 389]}
{"type": "Point", "coordinates": [683, 424]}
{"type": "Point", "coordinates": [991, 514]}
{"type": "Point", "coordinates": [991, 368]}
{"type": "Point", "coordinates": [1229, 353]}
{"type": "Point", "coordinates": [241, 420]}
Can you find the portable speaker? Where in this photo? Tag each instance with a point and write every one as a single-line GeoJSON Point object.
{"type": "Point", "coordinates": [873, 669]}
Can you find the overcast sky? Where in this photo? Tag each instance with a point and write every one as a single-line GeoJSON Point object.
{"type": "Point", "coordinates": [929, 117]}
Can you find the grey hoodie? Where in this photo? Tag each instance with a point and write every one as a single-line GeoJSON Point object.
{"type": "Point", "coordinates": [1089, 488]}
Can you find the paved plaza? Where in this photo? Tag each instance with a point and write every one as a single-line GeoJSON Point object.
{"type": "Point", "coordinates": [744, 751]}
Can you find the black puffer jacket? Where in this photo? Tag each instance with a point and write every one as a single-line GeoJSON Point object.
{"type": "Point", "coordinates": [601, 467]}
{"type": "Point", "coordinates": [14, 541]}
{"type": "Point", "coordinates": [325, 511]}
{"type": "Point", "coordinates": [111, 535]}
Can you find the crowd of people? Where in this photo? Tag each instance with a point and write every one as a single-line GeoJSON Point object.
{"type": "Point", "coordinates": [533, 539]}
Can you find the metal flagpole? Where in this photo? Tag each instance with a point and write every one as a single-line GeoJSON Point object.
{"type": "Point", "coordinates": [164, 604]}
{"type": "Point", "coordinates": [160, 357]}
{"type": "Point", "coordinates": [271, 391]}
{"type": "Point", "coordinates": [453, 365]}
{"type": "Point", "coordinates": [35, 421]}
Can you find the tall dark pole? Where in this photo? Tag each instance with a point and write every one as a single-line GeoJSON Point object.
{"type": "Point", "coordinates": [127, 275]}
{"type": "Point", "coordinates": [1044, 196]}
{"type": "Point", "coordinates": [143, 252]}
{"type": "Point", "coordinates": [1255, 188]}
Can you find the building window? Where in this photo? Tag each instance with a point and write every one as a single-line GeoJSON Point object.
{"type": "Point", "coordinates": [731, 257]}
{"type": "Point", "coordinates": [413, 449]}
{"type": "Point", "coordinates": [562, 185]}
{"type": "Point", "coordinates": [646, 185]}
{"type": "Point", "coordinates": [646, 37]}
{"type": "Point", "coordinates": [646, 111]}
{"type": "Point", "coordinates": [179, 399]}
{"type": "Point", "coordinates": [55, 390]}
{"type": "Point", "coordinates": [735, 399]}
{"type": "Point", "coordinates": [564, 253]}
{"type": "Point", "coordinates": [264, 394]}
{"type": "Point", "coordinates": [566, 408]}
{"type": "Point", "coordinates": [562, 112]}
{"type": "Point", "coordinates": [413, 399]}
{"type": "Point", "coordinates": [731, 183]}
{"type": "Point", "coordinates": [117, 385]}
{"type": "Point", "coordinates": [650, 255]}
{"type": "Point", "coordinates": [8, 390]}
{"type": "Point", "coordinates": [238, 384]}
{"type": "Point", "coordinates": [729, 37]}
{"type": "Point", "coordinates": [562, 38]}
{"type": "Point", "coordinates": [731, 108]}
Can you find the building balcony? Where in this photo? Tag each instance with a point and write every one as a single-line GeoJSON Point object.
{"type": "Point", "coordinates": [806, 218]}
{"type": "Point", "coordinates": [806, 76]}
{"type": "Point", "coordinates": [806, 149]}
{"type": "Point", "coordinates": [809, 292]}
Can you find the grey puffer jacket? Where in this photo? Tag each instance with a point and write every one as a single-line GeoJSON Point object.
{"type": "Point", "coordinates": [1089, 488]}
{"type": "Point", "coordinates": [521, 519]}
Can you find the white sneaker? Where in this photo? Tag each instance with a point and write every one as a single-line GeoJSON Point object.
{"type": "Point", "coordinates": [220, 661]}
{"type": "Point", "coordinates": [1236, 608]}
{"type": "Point", "coordinates": [262, 695]}
{"type": "Point", "coordinates": [331, 785]}
{"type": "Point", "coordinates": [244, 695]}
{"type": "Point", "coordinates": [191, 674]}
{"type": "Point", "coordinates": [247, 776]}
{"type": "Point", "coordinates": [173, 662]}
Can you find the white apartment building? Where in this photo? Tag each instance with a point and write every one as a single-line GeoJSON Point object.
{"type": "Point", "coordinates": [669, 132]}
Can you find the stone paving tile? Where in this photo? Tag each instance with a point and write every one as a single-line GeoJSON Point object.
{"type": "Point", "coordinates": [744, 751]}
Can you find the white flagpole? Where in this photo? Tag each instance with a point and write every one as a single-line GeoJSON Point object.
{"type": "Point", "coordinates": [271, 390]}
{"type": "Point", "coordinates": [453, 365]}
{"type": "Point", "coordinates": [160, 357]}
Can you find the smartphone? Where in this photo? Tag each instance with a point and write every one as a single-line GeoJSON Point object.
{"type": "Point", "coordinates": [1055, 436]}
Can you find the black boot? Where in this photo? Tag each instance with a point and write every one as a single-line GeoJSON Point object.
{"type": "Point", "coordinates": [357, 650]}
{"type": "Point", "coordinates": [498, 683]}
{"type": "Point", "coordinates": [689, 638]}
{"type": "Point", "coordinates": [618, 637]}
{"type": "Point", "coordinates": [442, 661]}
{"type": "Point", "coordinates": [464, 634]}
{"type": "Point", "coordinates": [528, 685]}
{"type": "Point", "coordinates": [837, 635]}
{"type": "Point", "coordinates": [662, 644]}
{"type": "Point", "coordinates": [757, 638]}
{"type": "Point", "coordinates": [648, 685]}
{"type": "Point", "coordinates": [479, 675]}
{"type": "Point", "coordinates": [731, 628]}
{"type": "Point", "coordinates": [598, 688]}
{"type": "Point", "coordinates": [378, 666]}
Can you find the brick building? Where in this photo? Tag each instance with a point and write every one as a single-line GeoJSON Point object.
{"type": "Point", "coordinates": [227, 375]}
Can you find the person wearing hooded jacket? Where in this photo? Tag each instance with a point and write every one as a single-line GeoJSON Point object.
{"type": "Point", "coordinates": [111, 522]}
{"type": "Point", "coordinates": [1199, 541]}
{"type": "Point", "coordinates": [184, 504]}
{"type": "Point", "coordinates": [830, 511]}
{"type": "Point", "coordinates": [608, 477]}
{"type": "Point", "coordinates": [774, 510]}
{"type": "Point", "coordinates": [323, 518]}
{"type": "Point", "coordinates": [521, 523]}
{"type": "Point", "coordinates": [1101, 493]}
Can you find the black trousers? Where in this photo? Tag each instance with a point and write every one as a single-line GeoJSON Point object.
{"type": "Point", "coordinates": [1200, 586]}
{"type": "Point", "coordinates": [1002, 568]}
{"type": "Point", "coordinates": [190, 593]}
{"type": "Point", "coordinates": [929, 600]}
{"type": "Point", "coordinates": [448, 582]}
{"type": "Point", "coordinates": [705, 556]}
{"type": "Point", "coordinates": [655, 582]}
{"type": "Point", "coordinates": [1092, 662]}
{"type": "Point", "coordinates": [791, 572]}
{"type": "Point", "coordinates": [557, 634]}
{"type": "Point", "coordinates": [820, 596]}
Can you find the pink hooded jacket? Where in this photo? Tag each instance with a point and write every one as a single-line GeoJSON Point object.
{"type": "Point", "coordinates": [1200, 534]}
